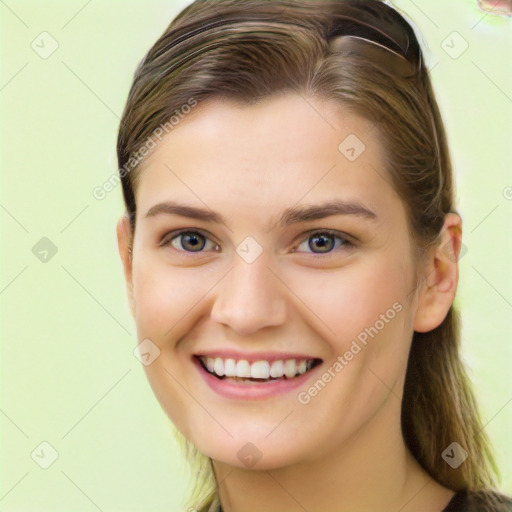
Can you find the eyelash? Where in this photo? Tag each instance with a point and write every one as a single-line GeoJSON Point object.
{"type": "Point", "coordinates": [346, 243]}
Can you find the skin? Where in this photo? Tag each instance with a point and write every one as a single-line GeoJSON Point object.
{"type": "Point", "coordinates": [344, 450]}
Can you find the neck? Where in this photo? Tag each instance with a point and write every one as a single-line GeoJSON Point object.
{"type": "Point", "coordinates": [373, 470]}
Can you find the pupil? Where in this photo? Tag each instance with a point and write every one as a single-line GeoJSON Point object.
{"type": "Point", "coordinates": [320, 240]}
{"type": "Point", "coordinates": [193, 240]}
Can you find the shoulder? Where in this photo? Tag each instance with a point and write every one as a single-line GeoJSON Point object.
{"type": "Point", "coordinates": [479, 501]}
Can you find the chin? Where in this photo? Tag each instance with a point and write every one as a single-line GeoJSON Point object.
{"type": "Point", "coordinates": [256, 456]}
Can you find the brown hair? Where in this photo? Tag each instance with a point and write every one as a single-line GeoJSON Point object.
{"type": "Point", "coordinates": [365, 55]}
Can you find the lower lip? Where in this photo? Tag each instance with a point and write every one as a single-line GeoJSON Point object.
{"type": "Point", "coordinates": [252, 390]}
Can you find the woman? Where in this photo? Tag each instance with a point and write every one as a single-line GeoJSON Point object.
{"type": "Point", "coordinates": [290, 250]}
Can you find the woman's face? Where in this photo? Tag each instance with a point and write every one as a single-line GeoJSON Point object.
{"type": "Point", "coordinates": [257, 280]}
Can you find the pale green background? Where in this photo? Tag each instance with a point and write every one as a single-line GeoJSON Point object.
{"type": "Point", "coordinates": [69, 376]}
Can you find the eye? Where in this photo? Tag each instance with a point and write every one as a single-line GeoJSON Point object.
{"type": "Point", "coordinates": [325, 242]}
{"type": "Point", "coordinates": [187, 241]}
{"type": "Point", "coordinates": [320, 242]}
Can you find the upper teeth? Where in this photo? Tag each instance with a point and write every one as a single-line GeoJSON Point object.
{"type": "Point", "coordinates": [259, 369]}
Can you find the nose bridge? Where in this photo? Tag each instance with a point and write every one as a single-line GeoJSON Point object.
{"type": "Point", "coordinates": [250, 297]}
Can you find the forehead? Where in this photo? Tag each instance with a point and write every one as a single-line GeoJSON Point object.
{"type": "Point", "coordinates": [279, 125]}
{"type": "Point", "coordinates": [269, 154]}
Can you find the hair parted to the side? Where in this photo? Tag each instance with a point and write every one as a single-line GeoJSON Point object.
{"type": "Point", "coordinates": [365, 55]}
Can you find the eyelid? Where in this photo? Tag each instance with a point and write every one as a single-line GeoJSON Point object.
{"type": "Point", "coordinates": [171, 235]}
{"type": "Point", "coordinates": [348, 241]}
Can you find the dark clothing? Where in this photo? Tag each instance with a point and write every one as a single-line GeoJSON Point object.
{"type": "Point", "coordinates": [464, 501]}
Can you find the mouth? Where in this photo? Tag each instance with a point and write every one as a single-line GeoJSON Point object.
{"type": "Point", "coordinates": [242, 371]}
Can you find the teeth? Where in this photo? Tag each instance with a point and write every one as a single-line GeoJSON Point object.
{"type": "Point", "coordinates": [290, 368]}
{"type": "Point", "coordinates": [276, 370]}
{"type": "Point", "coordinates": [218, 366]}
{"type": "Point", "coordinates": [243, 368]}
{"type": "Point", "coordinates": [302, 367]}
{"type": "Point", "coordinates": [230, 368]}
{"type": "Point", "coordinates": [262, 369]}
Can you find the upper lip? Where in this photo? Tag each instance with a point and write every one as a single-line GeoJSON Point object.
{"type": "Point", "coordinates": [254, 356]}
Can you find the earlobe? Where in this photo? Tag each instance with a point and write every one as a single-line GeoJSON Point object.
{"type": "Point", "coordinates": [437, 292]}
{"type": "Point", "coordinates": [124, 245]}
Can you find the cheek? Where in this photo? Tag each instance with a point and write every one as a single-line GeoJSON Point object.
{"type": "Point", "coordinates": [163, 295]}
{"type": "Point", "coordinates": [376, 318]}
{"type": "Point", "coordinates": [366, 309]}
{"type": "Point", "coordinates": [367, 313]}
{"type": "Point", "coordinates": [354, 297]}
{"type": "Point", "coordinates": [164, 301]}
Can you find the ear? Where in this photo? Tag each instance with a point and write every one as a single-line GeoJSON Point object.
{"type": "Point", "coordinates": [437, 292]}
{"type": "Point", "coordinates": [124, 245]}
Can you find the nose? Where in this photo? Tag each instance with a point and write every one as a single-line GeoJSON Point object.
{"type": "Point", "coordinates": [250, 298]}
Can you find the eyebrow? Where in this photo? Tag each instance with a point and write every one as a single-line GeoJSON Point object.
{"type": "Point", "coordinates": [289, 216]}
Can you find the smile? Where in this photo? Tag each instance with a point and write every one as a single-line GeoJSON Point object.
{"type": "Point", "coordinates": [239, 379]}
{"type": "Point", "coordinates": [261, 370]}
